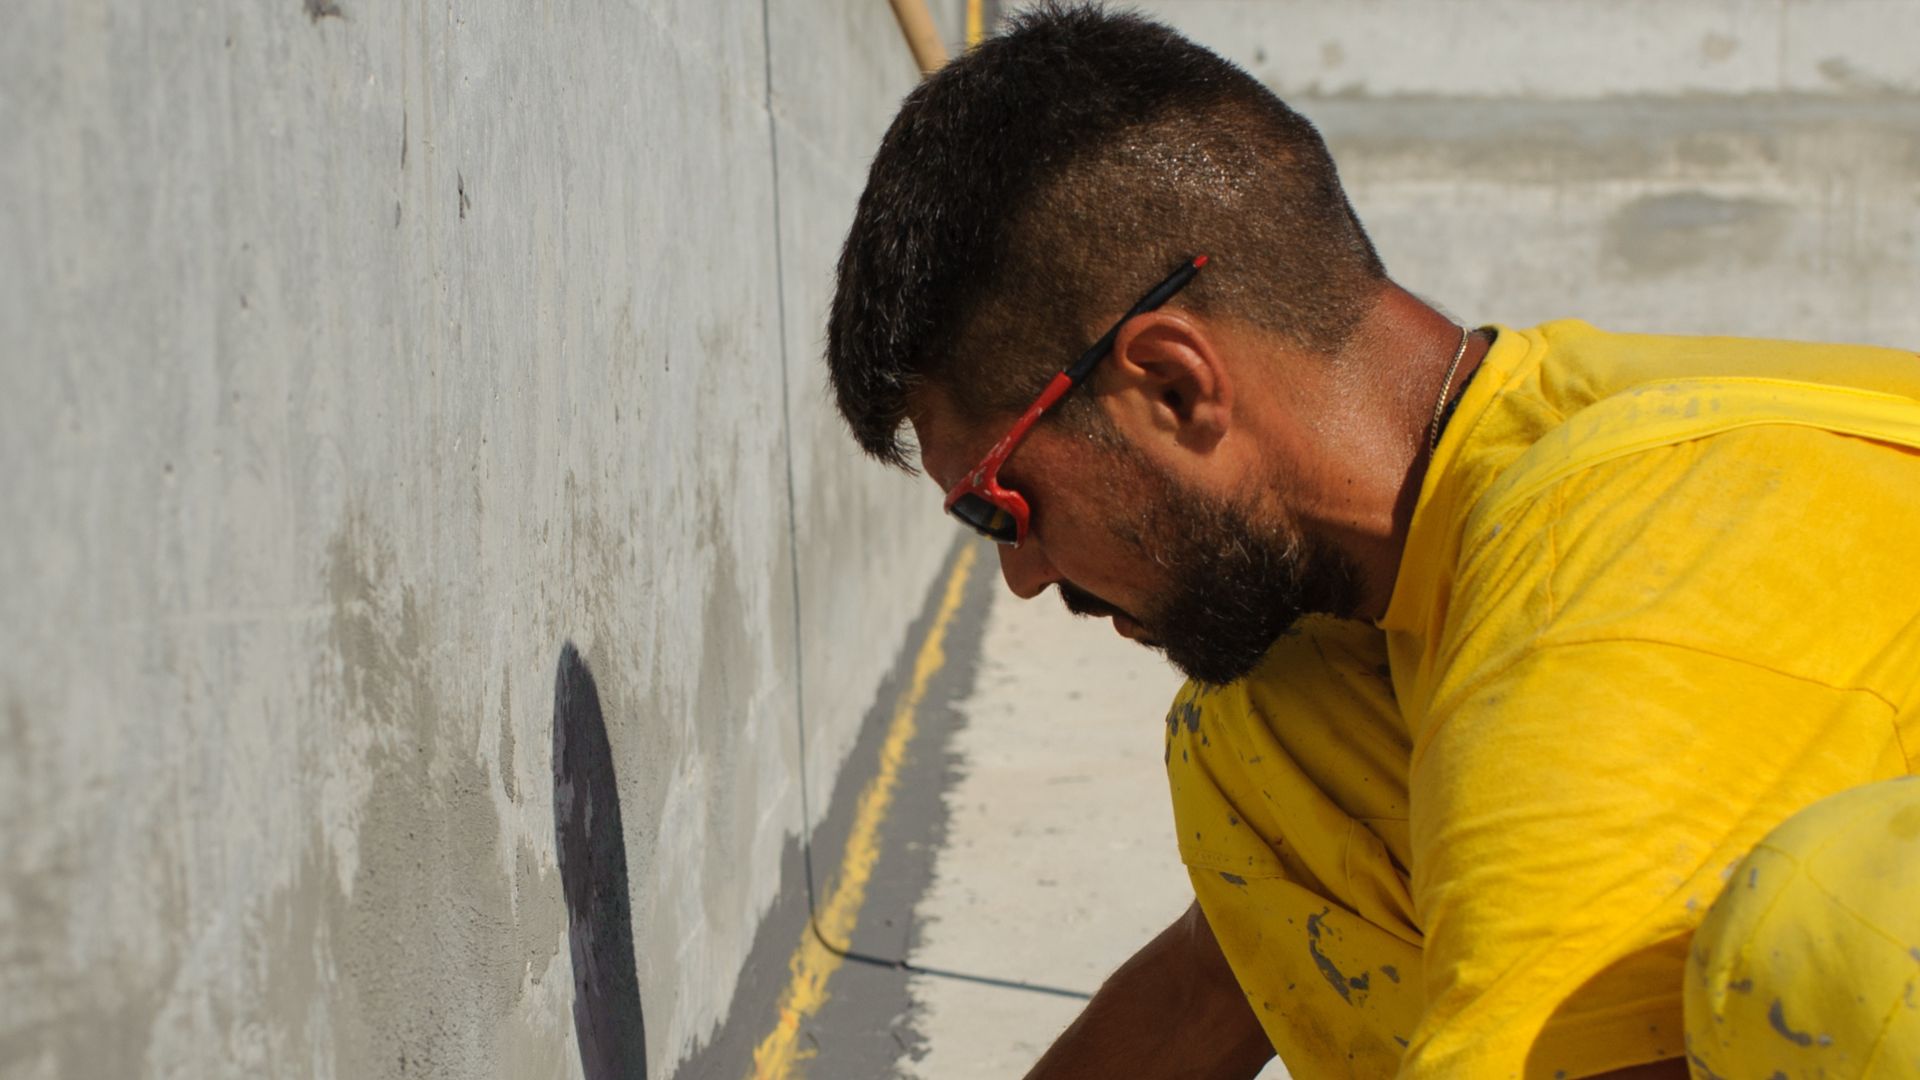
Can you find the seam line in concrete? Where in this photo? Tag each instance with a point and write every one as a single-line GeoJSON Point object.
{"type": "Point", "coordinates": [786, 415]}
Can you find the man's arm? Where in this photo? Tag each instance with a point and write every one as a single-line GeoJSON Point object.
{"type": "Point", "coordinates": [1172, 1010]}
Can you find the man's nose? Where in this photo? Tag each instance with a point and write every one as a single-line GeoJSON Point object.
{"type": "Point", "coordinates": [1027, 569]}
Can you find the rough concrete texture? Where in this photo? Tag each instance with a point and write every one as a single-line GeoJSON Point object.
{"type": "Point", "coordinates": [1058, 858]}
{"type": "Point", "coordinates": [355, 357]}
{"type": "Point", "coordinates": [1747, 167]}
{"type": "Point", "coordinates": [1562, 49]}
{"type": "Point", "coordinates": [860, 538]}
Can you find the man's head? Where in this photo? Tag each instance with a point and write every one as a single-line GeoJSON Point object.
{"type": "Point", "coordinates": [1023, 198]}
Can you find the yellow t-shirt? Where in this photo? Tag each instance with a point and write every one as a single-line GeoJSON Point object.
{"type": "Point", "coordinates": [1657, 595]}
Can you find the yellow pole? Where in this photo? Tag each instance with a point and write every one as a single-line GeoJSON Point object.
{"type": "Point", "coordinates": [916, 22]}
{"type": "Point", "coordinates": [976, 21]}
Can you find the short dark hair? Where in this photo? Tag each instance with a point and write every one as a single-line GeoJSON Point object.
{"type": "Point", "coordinates": [1030, 190]}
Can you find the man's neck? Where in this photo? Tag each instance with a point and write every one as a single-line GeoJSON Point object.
{"type": "Point", "coordinates": [1386, 383]}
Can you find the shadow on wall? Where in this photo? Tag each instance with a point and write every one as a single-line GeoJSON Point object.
{"type": "Point", "coordinates": [593, 869]}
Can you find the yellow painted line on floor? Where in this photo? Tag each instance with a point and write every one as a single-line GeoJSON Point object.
{"type": "Point", "coordinates": [813, 963]}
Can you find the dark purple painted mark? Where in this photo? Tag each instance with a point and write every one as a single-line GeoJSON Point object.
{"type": "Point", "coordinates": [1777, 1016]}
{"type": "Point", "coordinates": [593, 875]}
{"type": "Point", "coordinates": [1326, 966]}
{"type": "Point", "coordinates": [1700, 1068]}
{"type": "Point", "coordinates": [1233, 879]}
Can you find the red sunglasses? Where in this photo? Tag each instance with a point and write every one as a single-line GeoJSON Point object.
{"type": "Point", "coordinates": [978, 500]}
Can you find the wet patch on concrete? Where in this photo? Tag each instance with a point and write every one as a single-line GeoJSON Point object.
{"type": "Point", "coordinates": [429, 946]}
{"type": "Point", "coordinates": [1675, 231]}
{"type": "Point", "coordinates": [392, 931]}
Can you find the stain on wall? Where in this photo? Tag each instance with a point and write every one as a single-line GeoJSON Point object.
{"type": "Point", "coordinates": [1666, 233]}
{"type": "Point", "coordinates": [331, 443]}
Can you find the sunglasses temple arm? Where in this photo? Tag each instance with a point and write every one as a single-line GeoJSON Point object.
{"type": "Point", "coordinates": [1056, 389]}
{"type": "Point", "coordinates": [1159, 295]}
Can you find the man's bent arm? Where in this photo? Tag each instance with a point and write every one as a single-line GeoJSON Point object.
{"type": "Point", "coordinates": [1172, 1010]}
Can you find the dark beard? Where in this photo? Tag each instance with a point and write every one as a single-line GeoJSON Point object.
{"type": "Point", "coordinates": [1234, 584]}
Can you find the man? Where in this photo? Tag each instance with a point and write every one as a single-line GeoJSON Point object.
{"type": "Point", "coordinates": [1506, 645]}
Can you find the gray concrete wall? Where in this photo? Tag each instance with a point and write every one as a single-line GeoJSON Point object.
{"type": "Point", "coordinates": [1747, 167]}
{"type": "Point", "coordinates": [353, 357]}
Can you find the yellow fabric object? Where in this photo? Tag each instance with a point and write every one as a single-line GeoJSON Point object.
{"type": "Point", "coordinates": [1295, 836]}
{"type": "Point", "coordinates": [1809, 963]}
{"type": "Point", "coordinates": [1657, 596]}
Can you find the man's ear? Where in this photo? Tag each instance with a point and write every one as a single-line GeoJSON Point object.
{"type": "Point", "coordinates": [1166, 380]}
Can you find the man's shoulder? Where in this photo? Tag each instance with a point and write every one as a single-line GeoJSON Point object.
{"type": "Point", "coordinates": [1690, 417]}
{"type": "Point", "coordinates": [1575, 364]}
{"type": "Point", "coordinates": [1771, 542]}
{"type": "Point", "coordinates": [1572, 397]}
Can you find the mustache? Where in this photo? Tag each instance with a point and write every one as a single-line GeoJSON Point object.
{"type": "Point", "coordinates": [1081, 602]}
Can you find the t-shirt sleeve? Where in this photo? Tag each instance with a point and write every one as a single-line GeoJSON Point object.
{"type": "Point", "coordinates": [1644, 669]}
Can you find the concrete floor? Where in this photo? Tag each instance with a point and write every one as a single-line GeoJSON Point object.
{"type": "Point", "coordinates": [1029, 851]}
{"type": "Point", "coordinates": [1059, 858]}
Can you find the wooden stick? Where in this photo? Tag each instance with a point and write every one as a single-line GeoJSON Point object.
{"type": "Point", "coordinates": [916, 22]}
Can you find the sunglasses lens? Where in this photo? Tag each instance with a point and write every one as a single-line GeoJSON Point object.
{"type": "Point", "coordinates": [985, 518]}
